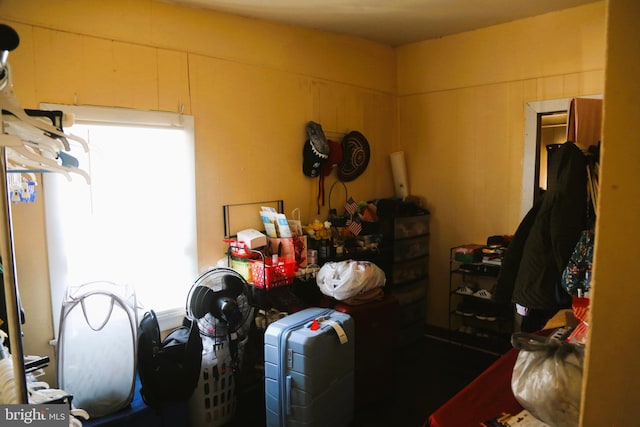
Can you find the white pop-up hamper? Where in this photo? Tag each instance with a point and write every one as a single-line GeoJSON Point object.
{"type": "Point", "coordinates": [96, 349]}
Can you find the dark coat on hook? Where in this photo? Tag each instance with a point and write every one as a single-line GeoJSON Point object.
{"type": "Point", "coordinates": [543, 243]}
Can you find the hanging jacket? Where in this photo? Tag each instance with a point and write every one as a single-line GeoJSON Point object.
{"type": "Point", "coordinates": [511, 262]}
{"type": "Point", "coordinates": [545, 239]}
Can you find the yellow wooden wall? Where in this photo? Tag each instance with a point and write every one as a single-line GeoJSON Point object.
{"type": "Point", "coordinates": [461, 106]}
{"type": "Point", "coordinates": [250, 85]}
{"type": "Point", "coordinates": [610, 392]}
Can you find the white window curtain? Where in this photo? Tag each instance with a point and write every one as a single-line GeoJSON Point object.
{"type": "Point", "coordinates": [135, 223]}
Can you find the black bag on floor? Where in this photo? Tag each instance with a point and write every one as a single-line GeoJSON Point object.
{"type": "Point", "coordinates": [169, 369]}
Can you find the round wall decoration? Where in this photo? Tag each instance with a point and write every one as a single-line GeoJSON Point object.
{"type": "Point", "coordinates": [355, 156]}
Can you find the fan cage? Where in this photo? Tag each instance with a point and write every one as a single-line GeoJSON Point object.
{"type": "Point", "coordinates": [210, 326]}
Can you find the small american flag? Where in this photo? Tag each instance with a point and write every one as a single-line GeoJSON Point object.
{"type": "Point", "coordinates": [351, 206]}
{"type": "Point", "coordinates": [354, 227]}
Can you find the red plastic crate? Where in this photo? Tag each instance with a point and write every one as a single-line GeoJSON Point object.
{"type": "Point", "coordinates": [267, 275]}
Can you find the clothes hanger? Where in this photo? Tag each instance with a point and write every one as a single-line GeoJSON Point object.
{"type": "Point", "coordinates": [22, 156]}
{"type": "Point", "coordinates": [25, 131]}
{"type": "Point", "coordinates": [11, 105]}
{"type": "Point", "coordinates": [40, 115]}
{"type": "Point", "coordinates": [28, 152]}
{"type": "Point", "coordinates": [44, 150]}
{"type": "Point", "coordinates": [30, 161]}
{"type": "Point", "coordinates": [22, 160]}
{"type": "Point", "coordinates": [33, 137]}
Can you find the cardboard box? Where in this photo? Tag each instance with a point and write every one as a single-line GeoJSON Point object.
{"type": "Point", "coordinates": [252, 238]}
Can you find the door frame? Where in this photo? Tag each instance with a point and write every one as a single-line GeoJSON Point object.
{"type": "Point", "coordinates": [530, 162]}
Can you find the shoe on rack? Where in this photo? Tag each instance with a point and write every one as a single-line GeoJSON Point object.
{"type": "Point", "coordinates": [483, 293]}
{"type": "Point", "coordinates": [487, 313]}
{"type": "Point", "coordinates": [465, 309]}
{"type": "Point", "coordinates": [464, 290]}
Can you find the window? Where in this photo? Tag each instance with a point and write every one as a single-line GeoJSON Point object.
{"type": "Point", "coordinates": [135, 222]}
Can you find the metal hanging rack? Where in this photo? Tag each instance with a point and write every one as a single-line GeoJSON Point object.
{"type": "Point", "coordinates": [31, 138]}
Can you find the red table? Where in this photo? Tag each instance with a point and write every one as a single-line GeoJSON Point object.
{"type": "Point", "coordinates": [486, 397]}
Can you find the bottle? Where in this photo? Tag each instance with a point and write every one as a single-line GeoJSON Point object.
{"type": "Point", "coordinates": [312, 257]}
{"type": "Point", "coordinates": [325, 250]}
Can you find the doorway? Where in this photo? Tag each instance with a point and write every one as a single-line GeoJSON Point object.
{"type": "Point", "coordinates": [552, 132]}
{"type": "Point", "coordinates": [545, 127]}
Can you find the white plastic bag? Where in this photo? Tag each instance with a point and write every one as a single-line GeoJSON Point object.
{"type": "Point", "coordinates": [547, 378]}
{"type": "Point", "coordinates": [345, 279]}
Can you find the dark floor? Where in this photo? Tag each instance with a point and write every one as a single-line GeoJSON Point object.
{"type": "Point", "coordinates": [428, 373]}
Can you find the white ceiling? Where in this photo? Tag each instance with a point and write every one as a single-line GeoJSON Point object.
{"type": "Point", "coordinates": [392, 22]}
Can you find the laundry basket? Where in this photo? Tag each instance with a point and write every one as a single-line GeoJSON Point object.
{"type": "Point", "coordinates": [213, 402]}
{"type": "Point", "coordinates": [96, 350]}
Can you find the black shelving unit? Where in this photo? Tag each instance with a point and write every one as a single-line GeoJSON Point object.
{"type": "Point", "coordinates": [406, 238]}
{"type": "Point", "coordinates": [474, 319]}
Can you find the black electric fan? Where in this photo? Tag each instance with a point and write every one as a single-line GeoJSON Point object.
{"type": "Point", "coordinates": [220, 302]}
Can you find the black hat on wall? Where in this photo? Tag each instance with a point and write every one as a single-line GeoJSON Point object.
{"type": "Point", "coordinates": [9, 39]}
{"type": "Point", "coordinates": [315, 151]}
{"type": "Point", "coordinates": [355, 156]}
